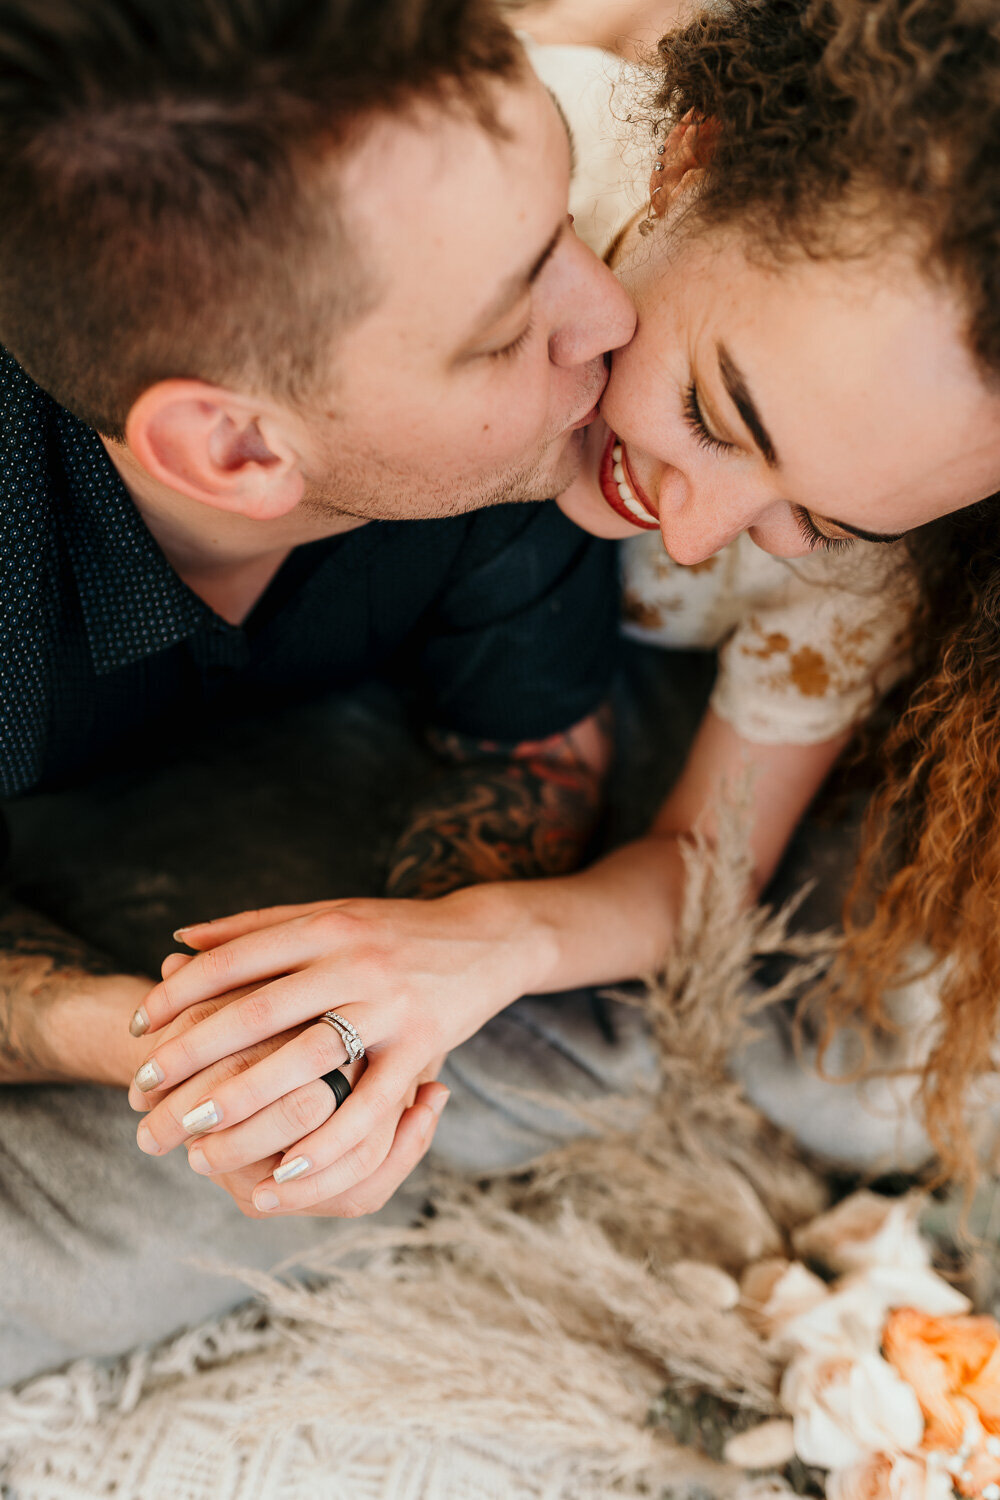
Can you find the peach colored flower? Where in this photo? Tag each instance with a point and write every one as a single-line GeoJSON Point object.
{"type": "Point", "coordinates": [953, 1365]}
{"type": "Point", "coordinates": [886, 1477]}
{"type": "Point", "coordinates": [772, 1292]}
{"type": "Point", "coordinates": [846, 1408]}
{"type": "Point", "coordinates": [866, 1230]}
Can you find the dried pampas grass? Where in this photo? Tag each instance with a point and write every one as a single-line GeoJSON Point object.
{"type": "Point", "coordinates": [545, 1305]}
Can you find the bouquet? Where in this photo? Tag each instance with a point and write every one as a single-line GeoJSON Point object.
{"type": "Point", "coordinates": [890, 1384]}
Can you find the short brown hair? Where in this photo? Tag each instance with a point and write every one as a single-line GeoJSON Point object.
{"type": "Point", "coordinates": [160, 203]}
{"type": "Point", "coordinates": [816, 98]}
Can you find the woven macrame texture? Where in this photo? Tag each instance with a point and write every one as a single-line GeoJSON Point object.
{"type": "Point", "coordinates": [511, 1347]}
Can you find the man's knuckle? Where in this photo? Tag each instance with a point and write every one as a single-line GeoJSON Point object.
{"type": "Point", "coordinates": [349, 1207]}
{"type": "Point", "coordinates": [366, 1156]}
{"type": "Point", "coordinates": [256, 1011]}
{"type": "Point", "coordinates": [201, 1011]}
{"type": "Point", "coordinates": [303, 1110]}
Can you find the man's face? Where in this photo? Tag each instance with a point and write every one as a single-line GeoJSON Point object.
{"type": "Point", "coordinates": [472, 379]}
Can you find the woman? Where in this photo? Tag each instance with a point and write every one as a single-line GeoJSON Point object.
{"type": "Point", "coordinates": [816, 367]}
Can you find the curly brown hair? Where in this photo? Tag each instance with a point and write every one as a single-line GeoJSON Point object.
{"type": "Point", "coordinates": [824, 107]}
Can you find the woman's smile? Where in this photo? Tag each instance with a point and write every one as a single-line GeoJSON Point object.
{"type": "Point", "coordinates": [619, 488]}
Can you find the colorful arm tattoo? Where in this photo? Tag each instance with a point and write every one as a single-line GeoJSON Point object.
{"type": "Point", "coordinates": [504, 812]}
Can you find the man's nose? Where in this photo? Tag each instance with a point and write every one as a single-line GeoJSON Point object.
{"type": "Point", "coordinates": [598, 314]}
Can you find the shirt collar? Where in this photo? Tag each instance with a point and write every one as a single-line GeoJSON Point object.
{"type": "Point", "coordinates": [133, 603]}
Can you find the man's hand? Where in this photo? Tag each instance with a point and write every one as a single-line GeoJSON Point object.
{"type": "Point", "coordinates": [64, 1009]}
{"type": "Point", "coordinates": [411, 1141]}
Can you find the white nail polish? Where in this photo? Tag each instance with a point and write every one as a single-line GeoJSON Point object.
{"type": "Point", "coordinates": [139, 1024]}
{"type": "Point", "coordinates": [149, 1075]}
{"type": "Point", "coordinates": [292, 1169]}
{"type": "Point", "coordinates": [202, 1117]}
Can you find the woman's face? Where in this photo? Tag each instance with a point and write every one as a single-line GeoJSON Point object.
{"type": "Point", "coordinates": [801, 403]}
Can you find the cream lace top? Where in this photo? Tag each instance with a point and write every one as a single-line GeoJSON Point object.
{"type": "Point", "coordinates": [806, 645]}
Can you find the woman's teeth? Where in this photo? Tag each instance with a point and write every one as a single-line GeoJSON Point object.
{"type": "Point", "coordinates": [628, 499]}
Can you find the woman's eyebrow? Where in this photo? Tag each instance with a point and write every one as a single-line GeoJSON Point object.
{"type": "Point", "coordinates": [735, 382]}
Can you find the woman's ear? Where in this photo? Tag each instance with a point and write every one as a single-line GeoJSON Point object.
{"type": "Point", "coordinates": [215, 446]}
{"type": "Point", "coordinates": [681, 161]}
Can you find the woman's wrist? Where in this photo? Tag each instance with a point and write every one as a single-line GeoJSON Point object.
{"type": "Point", "coordinates": [601, 925]}
{"type": "Point", "coordinates": [512, 915]}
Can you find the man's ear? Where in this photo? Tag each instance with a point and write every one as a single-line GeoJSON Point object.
{"type": "Point", "coordinates": [216, 447]}
{"type": "Point", "coordinates": [681, 161]}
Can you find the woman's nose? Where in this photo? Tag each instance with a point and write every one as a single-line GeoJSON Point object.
{"type": "Point", "coordinates": [697, 521]}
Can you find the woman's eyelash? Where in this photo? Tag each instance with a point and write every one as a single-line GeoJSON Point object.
{"type": "Point", "coordinates": [515, 346]}
{"type": "Point", "coordinates": [814, 536]}
{"type": "Point", "coordinates": [696, 422]}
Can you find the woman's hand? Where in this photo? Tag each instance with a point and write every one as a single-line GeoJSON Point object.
{"type": "Point", "coordinates": [258, 1196]}
{"type": "Point", "coordinates": [414, 979]}
{"type": "Point", "coordinates": [240, 1158]}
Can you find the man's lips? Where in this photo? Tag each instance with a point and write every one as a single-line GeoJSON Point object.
{"type": "Point", "coordinates": [620, 489]}
{"type": "Point", "coordinates": [586, 419]}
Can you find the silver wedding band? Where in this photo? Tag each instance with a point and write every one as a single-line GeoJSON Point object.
{"type": "Point", "coordinates": [348, 1034]}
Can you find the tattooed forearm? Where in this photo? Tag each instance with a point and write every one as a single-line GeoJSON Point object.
{"type": "Point", "coordinates": [506, 813]}
{"type": "Point", "coordinates": [39, 964]}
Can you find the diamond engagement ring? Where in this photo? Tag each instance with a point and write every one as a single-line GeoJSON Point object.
{"type": "Point", "coordinates": [348, 1034]}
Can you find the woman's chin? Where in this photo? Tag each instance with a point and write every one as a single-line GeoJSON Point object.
{"type": "Point", "coordinates": [587, 508]}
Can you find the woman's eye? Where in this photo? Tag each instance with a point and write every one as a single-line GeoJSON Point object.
{"type": "Point", "coordinates": [816, 538]}
{"type": "Point", "coordinates": [514, 347]}
{"type": "Point", "coordinates": [696, 422]}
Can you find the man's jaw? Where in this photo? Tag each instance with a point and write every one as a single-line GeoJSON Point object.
{"type": "Point", "coordinates": [619, 488]}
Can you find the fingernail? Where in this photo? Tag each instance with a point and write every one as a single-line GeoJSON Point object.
{"type": "Point", "coordinates": [146, 1141]}
{"type": "Point", "coordinates": [289, 1170]}
{"type": "Point", "coordinates": [264, 1201]}
{"type": "Point", "coordinates": [139, 1023]}
{"type": "Point", "coordinates": [149, 1075]}
{"type": "Point", "coordinates": [202, 1117]}
{"type": "Point", "coordinates": [178, 936]}
{"type": "Point", "coordinates": [434, 1106]}
{"type": "Point", "coordinates": [198, 1161]}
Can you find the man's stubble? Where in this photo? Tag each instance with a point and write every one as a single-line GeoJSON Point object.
{"type": "Point", "coordinates": [372, 490]}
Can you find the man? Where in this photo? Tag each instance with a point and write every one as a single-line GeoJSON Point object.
{"type": "Point", "coordinates": [270, 272]}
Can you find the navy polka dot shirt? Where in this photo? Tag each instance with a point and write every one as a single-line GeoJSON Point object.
{"type": "Point", "coordinates": [499, 624]}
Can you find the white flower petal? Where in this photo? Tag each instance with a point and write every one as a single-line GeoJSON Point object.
{"type": "Point", "coordinates": [910, 1286]}
{"type": "Point", "coordinates": [884, 1414]}
{"type": "Point", "coordinates": [819, 1439]}
{"type": "Point", "coordinates": [848, 1321]}
{"type": "Point", "coordinates": [865, 1230]}
{"type": "Point", "coordinates": [774, 1291]}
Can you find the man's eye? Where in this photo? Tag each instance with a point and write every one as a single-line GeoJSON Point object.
{"type": "Point", "coordinates": [694, 419]}
{"type": "Point", "coordinates": [514, 347]}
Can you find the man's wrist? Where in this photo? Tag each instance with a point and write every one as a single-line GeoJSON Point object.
{"type": "Point", "coordinates": [87, 1035]}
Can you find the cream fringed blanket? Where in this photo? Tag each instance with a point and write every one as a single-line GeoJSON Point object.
{"type": "Point", "coordinates": [510, 1347]}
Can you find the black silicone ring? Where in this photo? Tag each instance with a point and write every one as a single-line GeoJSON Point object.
{"type": "Point", "coordinates": [339, 1084]}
